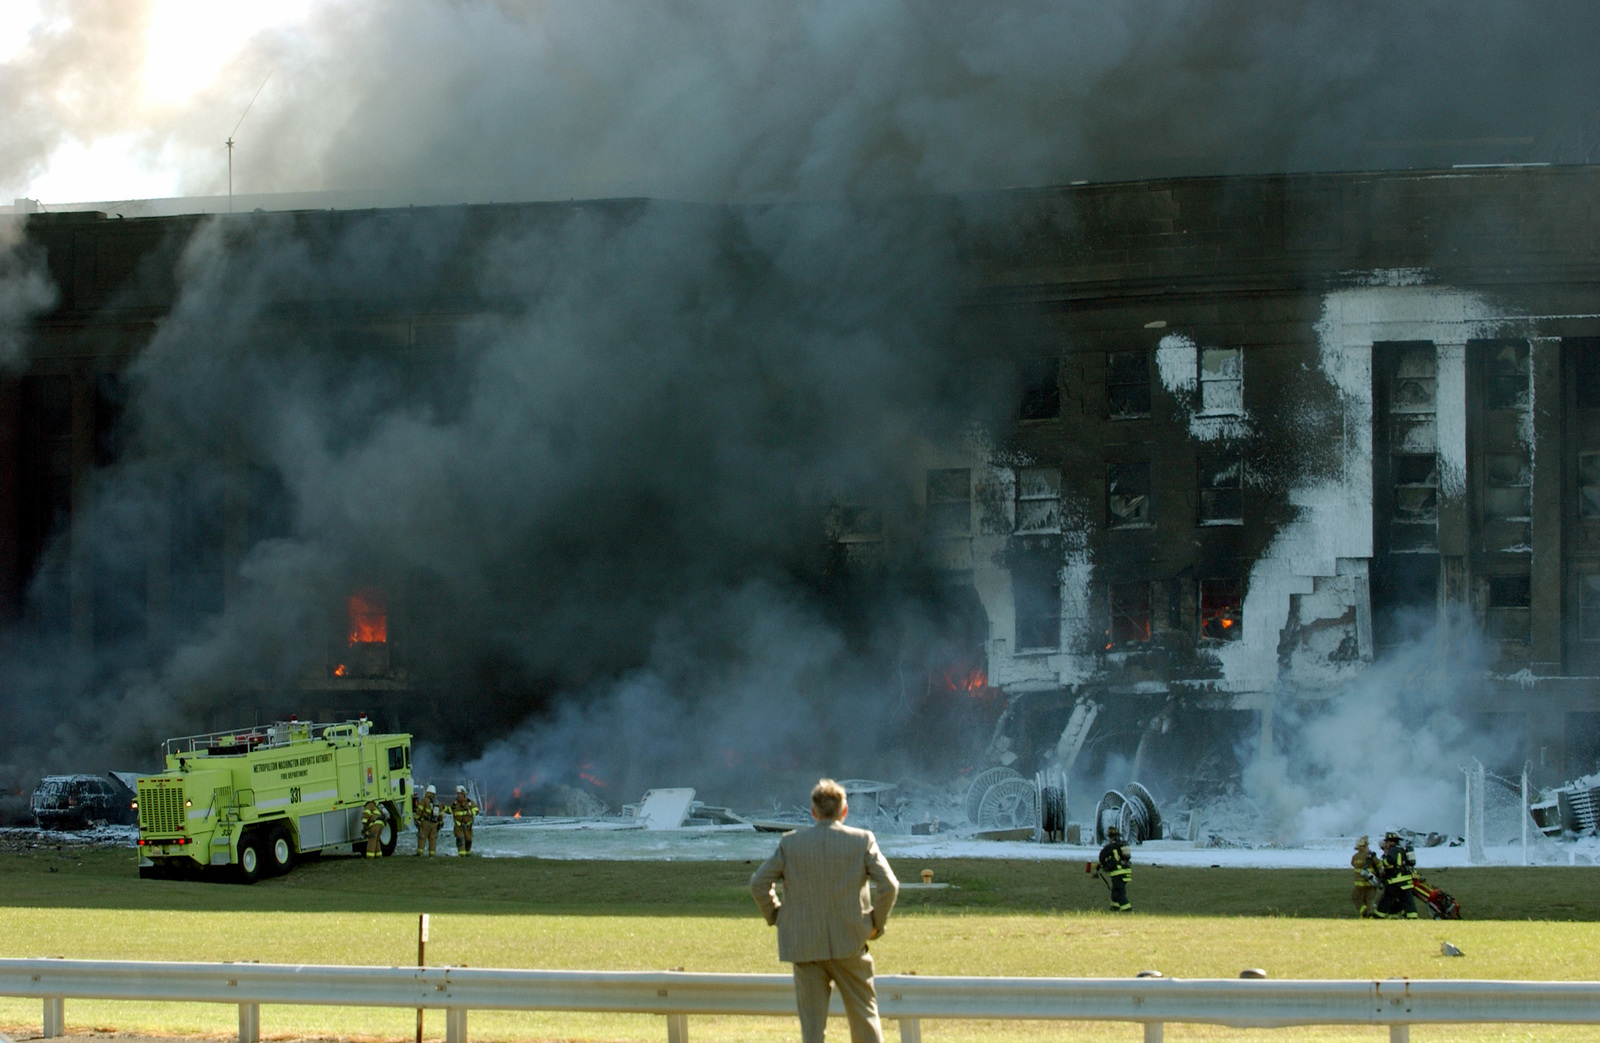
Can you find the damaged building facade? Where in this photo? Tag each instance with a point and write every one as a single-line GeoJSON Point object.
{"type": "Point", "coordinates": [1268, 430]}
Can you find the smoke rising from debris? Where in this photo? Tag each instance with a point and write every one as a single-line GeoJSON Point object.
{"type": "Point", "coordinates": [598, 494]}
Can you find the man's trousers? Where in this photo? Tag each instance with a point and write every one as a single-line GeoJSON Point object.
{"type": "Point", "coordinates": [853, 975]}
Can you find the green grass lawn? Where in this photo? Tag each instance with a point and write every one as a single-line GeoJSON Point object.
{"type": "Point", "coordinates": [1003, 918]}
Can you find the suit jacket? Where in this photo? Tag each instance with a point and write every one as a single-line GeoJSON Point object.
{"type": "Point", "coordinates": [827, 912]}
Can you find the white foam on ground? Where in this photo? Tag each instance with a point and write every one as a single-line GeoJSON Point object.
{"type": "Point", "coordinates": [604, 842]}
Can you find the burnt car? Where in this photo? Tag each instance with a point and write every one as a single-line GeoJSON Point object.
{"type": "Point", "coordinates": [81, 801]}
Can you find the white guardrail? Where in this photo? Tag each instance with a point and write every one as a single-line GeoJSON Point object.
{"type": "Point", "coordinates": [909, 999]}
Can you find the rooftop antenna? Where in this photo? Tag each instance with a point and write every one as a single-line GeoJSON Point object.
{"type": "Point", "coordinates": [236, 127]}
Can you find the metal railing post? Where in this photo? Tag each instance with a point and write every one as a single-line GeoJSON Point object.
{"type": "Point", "coordinates": [249, 1023]}
{"type": "Point", "coordinates": [1399, 1034]}
{"type": "Point", "coordinates": [55, 1017]}
{"type": "Point", "coordinates": [677, 1028]}
{"type": "Point", "coordinates": [455, 1025]}
{"type": "Point", "coordinates": [1153, 1031]}
{"type": "Point", "coordinates": [910, 1030]}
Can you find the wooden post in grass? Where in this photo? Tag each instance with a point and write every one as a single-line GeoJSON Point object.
{"type": "Point", "coordinates": [422, 959]}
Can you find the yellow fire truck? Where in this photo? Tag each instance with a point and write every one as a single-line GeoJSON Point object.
{"type": "Point", "coordinates": [250, 802]}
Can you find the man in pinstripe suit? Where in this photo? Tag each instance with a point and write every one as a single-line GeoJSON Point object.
{"type": "Point", "coordinates": [827, 915]}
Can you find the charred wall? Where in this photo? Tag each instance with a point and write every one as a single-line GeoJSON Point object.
{"type": "Point", "coordinates": [1264, 430]}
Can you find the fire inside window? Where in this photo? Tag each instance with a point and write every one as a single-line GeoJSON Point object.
{"type": "Point", "coordinates": [1041, 389]}
{"type": "Point", "coordinates": [1222, 490]}
{"type": "Point", "coordinates": [1130, 614]}
{"type": "Point", "coordinates": [1221, 609]}
{"type": "Point", "coordinates": [1128, 384]}
{"type": "Point", "coordinates": [949, 502]}
{"type": "Point", "coordinates": [1221, 380]}
{"type": "Point", "coordinates": [367, 635]}
{"type": "Point", "coordinates": [1127, 495]}
{"type": "Point", "coordinates": [1038, 499]}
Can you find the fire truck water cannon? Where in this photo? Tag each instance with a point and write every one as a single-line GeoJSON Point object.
{"type": "Point", "coordinates": [248, 803]}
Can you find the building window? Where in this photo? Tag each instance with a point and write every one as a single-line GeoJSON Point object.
{"type": "Point", "coordinates": [1221, 380]}
{"type": "Point", "coordinates": [1589, 484]}
{"type": "Point", "coordinates": [949, 502]}
{"type": "Point", "coordinates": [1036, 599]}
{"type": "Point", "coordinates": [1589, 606]}
{"type": "Point", "coordinates": [1128, 384]}
{"type": "Point", "coordinates": [1127, 495]}
{"type": "Point", "coordinates": [1510, 600]}
{"type": "Point", "coordinates": [1587, 350]}
{"type": "Point", "coordinates": [1221, 609]}
{"type": "Point", "coordinates": [1038, 499]}
{"type": "Point", "coordinates": [1041, 389]}
{"type": "Point", "coordinates": [1130, 614]}
{"type": "Point", "coordinates": [1507, 486]}
{"type": "Point", "coordinates": [1509, 375]}
{"type": "Point", "coordinates": [1222, 490]}
{"type": "Point", "coordinates": [855, 522]}
{"type": "Point", "coordinates": [1416, 488]}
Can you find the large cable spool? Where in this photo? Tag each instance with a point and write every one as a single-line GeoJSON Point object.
{"type": "Point", "coordinates": [980, 785]}
{"type": "Point", "coordinates": [1051, 785]}
{"type": "Point", "coordinates": [1009, 804]}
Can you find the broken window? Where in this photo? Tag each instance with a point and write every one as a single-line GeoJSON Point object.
{"type": "Point", "coordinates": [1130, 614]}
{"type": "Point", "coordinates": [1221, 380]}
{"type": "Point", "coordinates": [1589, 484]}
{"type": "Point", "coordinates": [1413, 447]}
{"type": "Point", "coordinates": [1038, 499]}
{"type": "Point", "coordinates": [1508, 375]}
{"type": "Point", "coordinates": [1510, 598]}
{"type": "Point", "coordinates": [1041, 389]}
{"type": "Point", "coordinates": [1036, 599]}
{"type": "Point", "coordinates": [1221, 609]}
{"type": "Point", "coordinates": [1222, 490]}
{"type": "Point", "coordinates": [1128, 384]}
{"type": "Point", "coordinates": [1507, 485]}
{"type": "Point", "coordinates": [366, 651]}
{"type": "Point", "coordinates": [1587, 350]}
{"type": "Point", "coordinates": [1127, 495]}
{"type": "Point", "coordinates": [1416, 488]}
{"type": "Point", "coordinates": [855, 522]}
{"type": "Point", "coordinates": [949, 511]}
{"type": "Point", "coordinates": [1589, 606]}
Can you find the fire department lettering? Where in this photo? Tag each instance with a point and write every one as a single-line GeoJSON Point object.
{"type": "Point", "coordinates": [292, 762]}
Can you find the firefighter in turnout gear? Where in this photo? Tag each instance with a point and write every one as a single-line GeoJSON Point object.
{"type": "Point", "coordinates": [1397, 868]}
{"type": "Point", "coordinates": [1116, 866]}
{"type": "Point", "coordinates": [429, 816]}
{"type": "Point", "coordinates": [1365, 893]}
{"type": "Point", "coordinates": [463, 811]}
{"type": "Point", "coordinates": [372, 828]}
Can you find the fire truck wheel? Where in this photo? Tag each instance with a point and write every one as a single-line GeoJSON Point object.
{"type": "Point", "coordinates": [252, 858]}
{"type": "Point", "coordinates": [391, 832]}
{"type": "Point", "coordinates": [279, 850]}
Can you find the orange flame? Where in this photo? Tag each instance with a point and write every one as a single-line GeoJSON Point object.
{"type": "Point", "coordinates": [339, 671]}
{"type": "Point", "coordinates": [1226, 622]}
{"type": "Point", "coordinates": [369, 618]}
{"type": "Point", "coordinates": [971, 681]}
{"type": "Point", "coordinates": [517, 813]}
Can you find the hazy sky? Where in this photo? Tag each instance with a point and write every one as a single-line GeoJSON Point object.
{"type": "Point", "coordinates": [472, 100]}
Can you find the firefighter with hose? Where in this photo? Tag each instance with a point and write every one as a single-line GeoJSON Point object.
{"type": "Point", "coordinates": [1115, 867]}
{"type": "Point", "coordinates": [1397, 868]}
{"type": "Point", "coordinates": [372, 828]}
{"type": "Point", "coordinates": [462, 812]}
